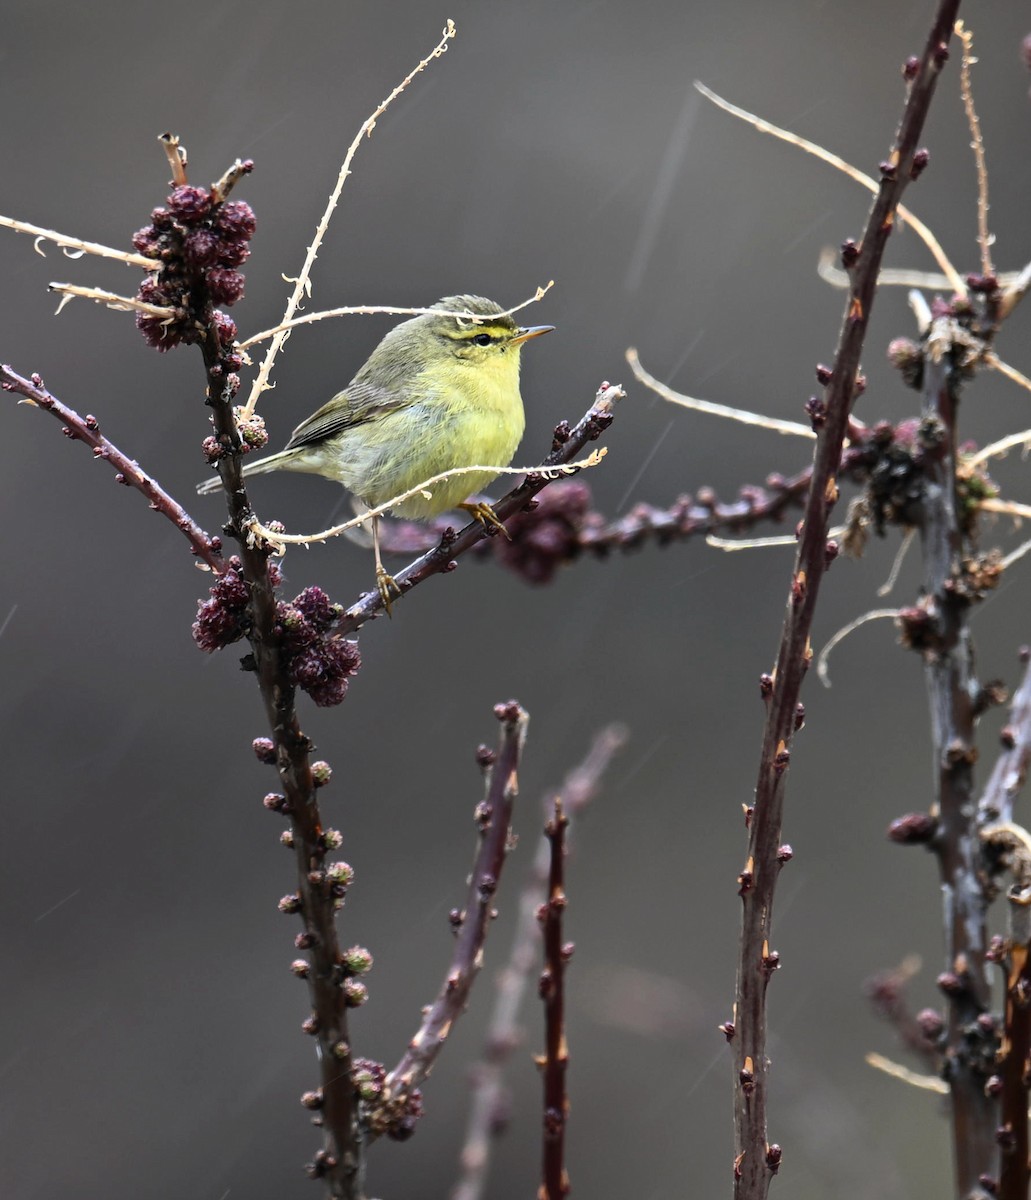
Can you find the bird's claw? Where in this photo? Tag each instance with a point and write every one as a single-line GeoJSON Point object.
{"type": "Point", "coordinates": [388, 588]}
{"type": "Point", "coordinates": [487, 517]}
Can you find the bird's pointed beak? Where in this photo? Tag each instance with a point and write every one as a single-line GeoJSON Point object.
{"type": "Point", "coordinates": [528, 332]}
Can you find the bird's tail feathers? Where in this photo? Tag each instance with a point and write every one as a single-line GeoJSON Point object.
{"type": "Point", "coordinates": [274, 462]}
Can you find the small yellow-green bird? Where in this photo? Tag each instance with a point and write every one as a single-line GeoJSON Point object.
{"type": "Point", "coordinates": [439, 391]}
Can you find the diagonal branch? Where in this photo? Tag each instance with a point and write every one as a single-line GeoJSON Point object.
{"type": "Point", "coordinates": [494, 816]}
{"type": "Point", "coordinates": [86, 429]}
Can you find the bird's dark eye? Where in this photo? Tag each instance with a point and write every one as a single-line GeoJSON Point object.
{"type": "Point", "coordinates": [483, 339]}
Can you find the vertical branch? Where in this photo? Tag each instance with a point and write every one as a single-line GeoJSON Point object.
{"type": "Point", "coordinates": [952, 692]}
{"type": "Point", "coordinates": [554, 1177]}
{"type": "Point", "coordinates": [504, 1035]}
{"type": "Point", "coordinates": [341, 1160]}
{"type": "Point", "coordinates": [1011, 1084]}
{"type": "Point", "coordinates": [1008, 845]}
{"type": "Point", "coordinates": [756, 1160]}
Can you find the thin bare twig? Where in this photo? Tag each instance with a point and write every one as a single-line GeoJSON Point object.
{"type": "Point", "coordinates": [922, 231]}
{"type": "Point", "coordinates": [365, 310]}
{"type": "Point", "coordinates": [279, 540]}
{"type": "Point", "coordinates": [794, 428]}
{"type": "Point", "coordinates": [78, 245]}
{"type": "Point", "coordinates": [87, 430]}
{"type": "Point", "coordinates": [967, 60]}
{"type": "Point", "coordinates": [302, 284]}
{"type": "Point", "coordinates": [927, 1083]}
{"type": "Point", "coordinates": [71, 291]}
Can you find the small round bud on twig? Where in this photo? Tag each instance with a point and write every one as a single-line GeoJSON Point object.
{"type": "Point", "coordinates": [931, 1022]}
{"type": "Point", "coordinates": [920, 160]}
{"type": "Point", "coordinates": [357, 960]}
{"type": "Point", "coordinates": [301, 968]}
{"type": "Point", "coordinates": [355, 993]}
{"type": "Point", "coordinates": [290, 904]}
{"type": "Point", "coordinates": [321, 773]}
{"type": "Point", "coordinates": [265, 750]}
{"type": "Point", "coordinates": [951, 984]}
{"type": "Point", "coordinates": [1005, 1138]}
{"type": "Point", "coordinates": [913, 829]}
{"type": "Point", "coordinates": [996, 952]}
{"type": "Point", "coordinates": [485, 756]}
{"type": "Point", "coordinates": [340, 874]}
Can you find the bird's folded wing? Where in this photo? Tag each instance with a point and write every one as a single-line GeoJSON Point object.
{"type": "Point", "coordinates": [359, 403]}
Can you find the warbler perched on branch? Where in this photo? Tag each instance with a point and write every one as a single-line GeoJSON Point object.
{"type": "Point", "coordinates": [439, 391]}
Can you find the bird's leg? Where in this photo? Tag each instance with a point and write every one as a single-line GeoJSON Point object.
{"type": "Point", "coordinates": [487, 517]}
{"type": "Point", "coordinates": [384, 582]}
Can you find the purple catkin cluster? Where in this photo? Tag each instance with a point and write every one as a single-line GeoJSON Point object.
{"type": "Point", "coordinates": [369, 1079]}
{"type": "Point", "coordinates": [222, 619]}
{"type": "Point", "coordinates": [369, 1076]}
{"type": "Point", "coordinates": [319, 663]}
{"type": "Point", "coordinates": [403, 1127]}
{"type": "Point", "coordinates": [199, 243]}
{"type": "Point", "coordinates": [540, 541]}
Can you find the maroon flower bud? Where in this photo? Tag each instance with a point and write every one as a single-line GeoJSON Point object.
{"type": "Point", "coordinates": [225, 286]}
{"type": "Point", "coordinates": [225, 327]}
{"type": "Point", "coordinates": [232, 253]}
{"type": "Point", "coordinates": [190, 205]}
{"type": "Point", "coordinates": [265, 749]}
{"type": "Point", "coordinates": [913, 829]}
{"type": "Point", "coordinates": [932, 1023]}
{"type": "Point", "coordinates": [404, 1126]}
{"type": "Point", "coordinates": [236, 219]}
{"type": "Point", "coordinates": [201, 248]}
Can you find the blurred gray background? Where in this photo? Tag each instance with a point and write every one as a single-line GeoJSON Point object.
{"type": "Point", "coordinates": [149, 1040]}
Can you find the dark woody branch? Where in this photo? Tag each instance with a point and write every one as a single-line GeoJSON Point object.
{"type": "Point", "coordinates": [494, 818]}
{"type": "Point", "coordinates": [87, 430]}
{"type": "Point", "coordinates": [756, 1159]}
